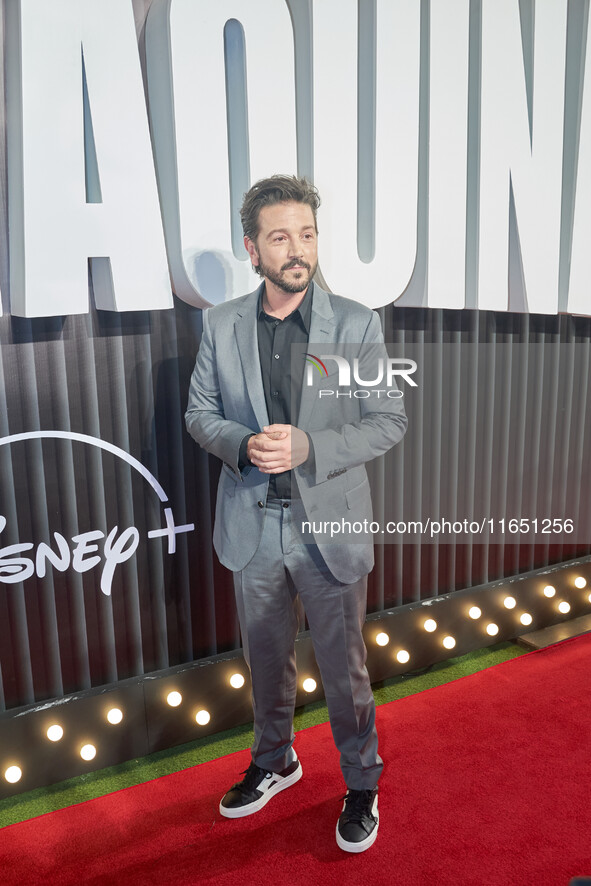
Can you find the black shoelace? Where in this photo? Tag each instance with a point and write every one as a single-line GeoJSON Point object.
{"type": "Point", "coordinates": [358, 805]}
{"type": "Point", "coordinates": [252, 777]}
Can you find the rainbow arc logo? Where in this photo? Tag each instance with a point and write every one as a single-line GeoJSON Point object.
{"type": "Point", "coordinates": [316, 363]}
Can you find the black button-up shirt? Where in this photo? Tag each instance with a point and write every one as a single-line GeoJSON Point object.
{"type": "Point", "coordinates": [282, 382]}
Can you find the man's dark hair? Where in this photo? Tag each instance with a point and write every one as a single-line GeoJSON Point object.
{"type": "Point", "coordinates": [277, 189]}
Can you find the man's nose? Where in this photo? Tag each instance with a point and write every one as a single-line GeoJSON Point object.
{"type": "Point", "coordinates": [295, 247]}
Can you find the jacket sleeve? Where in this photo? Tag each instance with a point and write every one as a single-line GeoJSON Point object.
{"type": "Point", "coordinates": [204, 417]}
{"type": "Point", "coordinates": [347, 440]}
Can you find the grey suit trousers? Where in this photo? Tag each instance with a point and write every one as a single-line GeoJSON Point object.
{"type": "Point", "coordinates": [269, 589]}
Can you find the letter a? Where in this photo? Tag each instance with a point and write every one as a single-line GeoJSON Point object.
{"type": "Point", "coordinates": [81, 171]}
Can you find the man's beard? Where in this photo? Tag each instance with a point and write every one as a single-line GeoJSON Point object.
{"type": "Point", "coordinates": [277, 278]}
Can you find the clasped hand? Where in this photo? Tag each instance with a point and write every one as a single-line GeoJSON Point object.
{"type": "Point", "coordinates": [278, 448]}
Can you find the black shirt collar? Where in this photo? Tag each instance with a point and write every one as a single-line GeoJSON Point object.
{"type": "Point", "coordinates": [302, 312]}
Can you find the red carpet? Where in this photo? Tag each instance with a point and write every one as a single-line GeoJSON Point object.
{"type": "Point", "coordinates": [487, 781]}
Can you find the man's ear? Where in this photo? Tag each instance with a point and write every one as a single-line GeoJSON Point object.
{"type": "Point", "coordinates": [252, 251]}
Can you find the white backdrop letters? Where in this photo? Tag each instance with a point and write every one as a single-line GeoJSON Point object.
{"type": "Point", "coordinates": [450, 141]}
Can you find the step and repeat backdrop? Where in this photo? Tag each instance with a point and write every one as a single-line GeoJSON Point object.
{"type": "Point", "coordinates": [451, 144]}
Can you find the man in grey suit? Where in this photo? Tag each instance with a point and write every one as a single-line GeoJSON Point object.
{"type": "Point", "coordinates": [294, 455]}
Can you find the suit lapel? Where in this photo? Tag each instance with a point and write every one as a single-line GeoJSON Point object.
{"type": "Point", "coordinates": [245, 329]}
{"type": "Point", "coordinates": [322, 331]}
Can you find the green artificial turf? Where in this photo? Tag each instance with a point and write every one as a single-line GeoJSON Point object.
{"type": "Point", "coordinates": [105, 781]}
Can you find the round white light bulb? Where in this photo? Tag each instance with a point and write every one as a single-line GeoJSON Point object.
{"type": "Point", "coordinates": [564, 607]}
{"type": "Point", "coordinates": [449, 642]}
{"type": "Point", "coordinates": [492, 629]}
{"type": "Point", "coordinates": [237, 681]}
{"type": "Point", "coordinates": [13, 774]}
{"type": "Point", "coordinates": [525, 618]}
{"type": "Point", "coordinates": [549, 591]}
{"type": "Point", "coordinates": [309, 684]}
{"type": "Point", "coordinates": [202, 718]}
{"type": "Point", "coordinates": [510, 602]}
{"type": "Point", "coordinates": [174, 699]}
{"type": "Point", "coordinates": [88, 752]}
{"type": "Point", "coordinates": [115, 716]}
{"type": "Point", "coordinates": [475, 612]}
{"type": "Point", "coordinates": [430, 625]}
{"type": "Point", "coordinates": [382, 639]}
{"type": "Point", "coordinates": [55, 732]}
{"type": "Point", "coordinates": [403, 656]}
{"type": "Point", "coordinates": [580, 582]}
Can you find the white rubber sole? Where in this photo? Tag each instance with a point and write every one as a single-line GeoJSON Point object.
{"type": "Point", "coordinates": [243, 811]}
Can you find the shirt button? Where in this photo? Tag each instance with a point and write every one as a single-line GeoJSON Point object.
{"type": "Point", "coordinates": [261, 504]}
{"type": "Point", "coordinates": [275, 393]}
{"type": "Point", "coordinates": [276, 356]}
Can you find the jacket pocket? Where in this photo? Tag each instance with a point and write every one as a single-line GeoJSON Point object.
{"type": "Point", "coordinates": [228, 480]}
{"type": "Point", "coordinates": [357, 494]}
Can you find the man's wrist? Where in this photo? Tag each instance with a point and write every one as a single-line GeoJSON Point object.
{"type": "Point", "coordinates": [243, 459]}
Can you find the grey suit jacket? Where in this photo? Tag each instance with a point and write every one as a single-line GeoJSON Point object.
{"type": "Point", "coordinates": [227, 402]}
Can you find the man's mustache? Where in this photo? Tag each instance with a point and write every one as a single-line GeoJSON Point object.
{"type": "Point", "coordinates": [296, 263]}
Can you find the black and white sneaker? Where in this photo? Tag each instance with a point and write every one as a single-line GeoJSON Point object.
{"type": "Point", "coordinates": [256, 788]}
{"type": "Point", "coordinates": [357, 827]}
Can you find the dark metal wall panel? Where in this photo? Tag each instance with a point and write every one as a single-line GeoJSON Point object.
{"type": "Point", "coordinates": [507, 413]}
{"type": "Point", "coordinates": [124, 380]}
